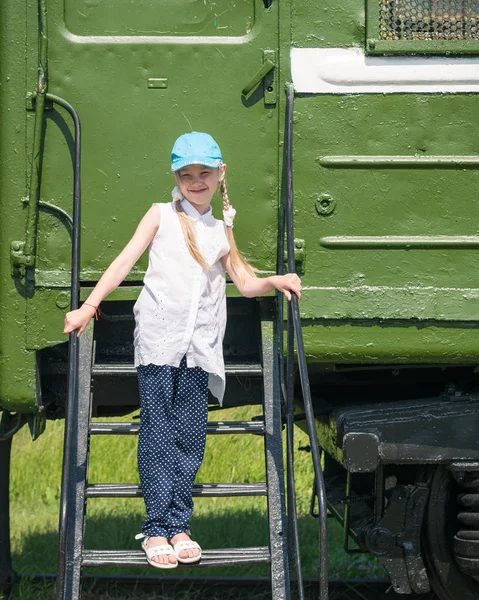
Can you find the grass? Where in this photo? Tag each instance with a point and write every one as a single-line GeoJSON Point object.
{"type": "Point", "coordinates": [113, 523]}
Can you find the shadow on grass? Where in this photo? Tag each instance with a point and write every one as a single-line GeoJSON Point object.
{"type": "Point", "coordinates": [223, 529]}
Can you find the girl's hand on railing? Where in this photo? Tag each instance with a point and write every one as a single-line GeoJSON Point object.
{"type": "Point", "coordinates": [79, 319]}
{"type": "Point", "coordinates": [287, 283]}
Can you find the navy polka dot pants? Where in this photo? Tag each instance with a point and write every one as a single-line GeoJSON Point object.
{"type": "Point", "coordinates": [171, 444]}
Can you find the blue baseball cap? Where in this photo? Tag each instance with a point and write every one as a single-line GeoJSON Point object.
{"type": "Point", "coordinates": [195, 148]}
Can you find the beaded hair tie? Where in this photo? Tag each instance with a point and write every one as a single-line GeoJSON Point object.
{"type": "Point", "coordinates": [228, 216]}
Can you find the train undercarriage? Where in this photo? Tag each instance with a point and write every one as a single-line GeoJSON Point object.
{"type": "Point", "coordinates": [402, 475]}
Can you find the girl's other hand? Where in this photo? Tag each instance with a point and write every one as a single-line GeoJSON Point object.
{"type": "Point", "coordinates": [288, 283]}
{"type": "Point", "coordinates": [78, 319]}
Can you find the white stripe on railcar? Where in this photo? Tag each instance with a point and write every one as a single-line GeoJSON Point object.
{"type": "Point", "coordinates": [350, 71]}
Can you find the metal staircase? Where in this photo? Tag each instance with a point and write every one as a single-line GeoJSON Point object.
{"type": "Point", "coordinates": [79, 490]}
{"type": "Point", "coordinates": [278, 402]}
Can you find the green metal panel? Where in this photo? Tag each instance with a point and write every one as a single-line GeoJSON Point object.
{"type": "Point", "coordinates": [390, 342]}
{"type": "Point", "coordinates": [138, 79]}
{"type": "Point", "coordinates": [328, 24]}
{"type": "Point", "coordinates": [386, 193]}
{"type": "Point", "coordinates": [17, 365]}
{"type": "Point", "coordinates": [129, 127]}
{"type": "Point", "coordinates": [385, 185]}
{"type": "Point", "coordinates": [165, 17]}
{"type": "Point", "coordinates": [357, 23]}
{"type": "Point", "coordinates": [441, 47]}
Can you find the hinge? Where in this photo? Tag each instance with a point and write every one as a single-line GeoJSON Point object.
{"type": "Point", "coordinates": [19, 260]}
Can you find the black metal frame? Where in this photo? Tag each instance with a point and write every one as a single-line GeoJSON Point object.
{"type": "Point", "coordinates": [7, 574]}
{"type": "Point", "coordinates": [273, 448]}
{"type": "Point", "coordinates": [294, 333]}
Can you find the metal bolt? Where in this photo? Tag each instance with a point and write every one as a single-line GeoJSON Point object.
{"type": "Point", "coordinates": [325, 204]}
{"type": "Point", "coordinates": [63, 300]}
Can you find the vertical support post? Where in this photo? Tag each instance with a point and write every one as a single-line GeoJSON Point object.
{"type": "Point", "coordinates": [71, 408]}
{"type": "Point", "coordinates": [7, 575]}
{"type": "Point", "coordinates": [293, 533]}
{"type": "Point", "coordinates": [78, 469]}
{"type": "Point", "coordinates": [302, 365]}
{"type": "Point", "coordinates": [280, 581]}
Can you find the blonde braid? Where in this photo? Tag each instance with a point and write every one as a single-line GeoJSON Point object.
{"type": "Point", "coordinates": [224, 195]}
{"type": "Point", "coordinates": [189, 235]}
{"type": "Point", "coordinates": [239, 264]}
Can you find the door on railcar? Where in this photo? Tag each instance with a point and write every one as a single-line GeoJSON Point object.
{"type": "Point", "coordinates": [385, 175]}
{"type": "Point", "coordinates": [139, 75]}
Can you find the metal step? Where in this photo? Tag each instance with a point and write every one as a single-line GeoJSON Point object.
{"type": "Point", "coordinates": [213, 427]}
{"type": "Point", "coordinates": [210, 558]}
{"type": "Point", "coordinates": [238, 370]}
{"type": "Point", "coordinates": [129, 490]}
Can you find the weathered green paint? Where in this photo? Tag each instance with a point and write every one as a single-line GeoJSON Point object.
{"type": "Point", "coordinates": [400, 342]}
{"type": "Point", "coordinates": [406, 242]}
{"type": "Point", "coordinates": [454, 47]}
{"type": "Point", "coordinates": [399, 161]}
{"type": "Point", "coordinates": [38, 136]}
{"type": "Point", "coordinates": [103, 58]}
{"type": "Point", "coordinates": [385, 185]}
{"type": "Point", "coordinates": [400, 243]}
{"type": "Point", "coordinates": [167, 18]}
{"type": "Point", "coordinates": [328, 24]}
{"type": "Point", "coordinates": [17, 365]}
{"type": "Point", "coordinates": [421, 303]}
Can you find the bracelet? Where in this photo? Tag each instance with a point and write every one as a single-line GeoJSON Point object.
{"type": "Point", "coordinates": [97, 310]}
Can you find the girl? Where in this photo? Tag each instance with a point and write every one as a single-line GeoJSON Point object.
{"type": "Point", "coordinates": [180, 319]}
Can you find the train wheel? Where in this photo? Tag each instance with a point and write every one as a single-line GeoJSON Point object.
{"type": "Point", "coordinates": [447, 571]}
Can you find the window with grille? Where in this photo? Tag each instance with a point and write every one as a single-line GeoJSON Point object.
{"type": "Point", "coordinates": [449, 26]}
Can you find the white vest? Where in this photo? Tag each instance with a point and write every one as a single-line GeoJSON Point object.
{"type": "Point", "coordinates": [182, 307]}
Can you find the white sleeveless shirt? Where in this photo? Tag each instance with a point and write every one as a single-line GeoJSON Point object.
{"type": "Point", "coordinates": [181, 310]}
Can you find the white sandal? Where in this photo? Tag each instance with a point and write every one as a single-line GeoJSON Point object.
{"type": "Point", "coordinates": [160, 550]}
{"type": "Point", "coordinates": [187, 545]}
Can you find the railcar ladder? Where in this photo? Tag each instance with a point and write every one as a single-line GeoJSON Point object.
{"type": "Point", "coordinates": [72, 555]}
{"type": "Point", "coordinates": [77, 490]}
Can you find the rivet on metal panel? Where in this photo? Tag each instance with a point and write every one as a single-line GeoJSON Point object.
{"type": "Point", "coordinates": [299, 255]}
{"type": "Point", "coordinates": [157, 83]}
{"type": "Point", "coordinates": [63, 300]}
{"type": "Point", "coordinates": [325, 204]}
{"type": "Point", "coordinates": [29, 101]}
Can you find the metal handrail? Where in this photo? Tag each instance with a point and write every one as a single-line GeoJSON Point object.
{"type": "Point", "coordinates": [294, 332]}
{"type": "Point", "coordinates": [287, 397]}
{"type": "Point", "coordinates": [73, 353]}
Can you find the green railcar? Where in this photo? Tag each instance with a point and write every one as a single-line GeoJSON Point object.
{"type": "Point", "coordinates": [386, 180]}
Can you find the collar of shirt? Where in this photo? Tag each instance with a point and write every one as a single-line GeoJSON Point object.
{"type": "Point", "coordinates": [191, 211]}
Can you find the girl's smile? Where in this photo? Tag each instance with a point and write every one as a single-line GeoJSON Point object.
{"type": "Point", "coordinates": [198, 184]}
